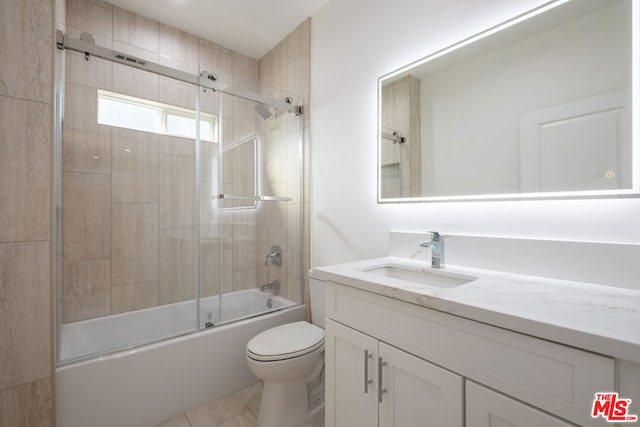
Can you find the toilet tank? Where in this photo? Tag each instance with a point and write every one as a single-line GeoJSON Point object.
{"type": "Point", "coordinates": [317, 298]}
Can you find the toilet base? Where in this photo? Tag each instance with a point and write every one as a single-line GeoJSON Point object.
{"type": "Point", "coordinates": [283, 405]}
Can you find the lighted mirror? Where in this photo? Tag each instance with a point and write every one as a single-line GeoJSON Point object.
{"type": "Point", "coordinates": [540, 106]}
{"type": "Point", "coordinates": [239, 174]}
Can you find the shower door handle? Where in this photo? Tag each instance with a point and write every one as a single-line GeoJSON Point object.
{"type": "Point", "coordinates": [367, 381]}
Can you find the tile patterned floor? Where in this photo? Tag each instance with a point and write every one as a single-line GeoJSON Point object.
{"type": "Point", "coordinates": [238, 409]}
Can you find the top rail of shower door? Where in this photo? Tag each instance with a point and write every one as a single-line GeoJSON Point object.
{"type": "Point", "coordinates": [86, 44]}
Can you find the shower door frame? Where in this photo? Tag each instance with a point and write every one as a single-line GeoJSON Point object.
{"type": "Point", "coordinates": [203, 81]}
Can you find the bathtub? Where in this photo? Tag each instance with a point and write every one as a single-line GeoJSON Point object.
{"type": "Point", "coordinates": [86, 338]}
{"type": "Point", "coordinates": [148, 384]}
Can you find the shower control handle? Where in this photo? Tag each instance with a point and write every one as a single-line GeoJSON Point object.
{"type": "Point", "coordinates": [274, 256]}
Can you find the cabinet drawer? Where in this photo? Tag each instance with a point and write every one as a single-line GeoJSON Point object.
{"type": "Point", "coordinates": [559, 379]}
{"type": "Point", "coordinates": [486, 408]}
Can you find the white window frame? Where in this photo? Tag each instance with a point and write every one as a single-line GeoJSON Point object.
{"type": "Point", "coordinates": [162, 110]}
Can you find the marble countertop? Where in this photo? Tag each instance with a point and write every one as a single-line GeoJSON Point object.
{"type": "Point", "coordinates": [602, 319]}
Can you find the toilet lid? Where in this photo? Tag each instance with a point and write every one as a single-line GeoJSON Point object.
{"type": "Point", "coordinates": [285, 341]}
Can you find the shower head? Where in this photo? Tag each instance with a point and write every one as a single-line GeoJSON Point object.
{"type": "Point", "coordinates": [263, 110]}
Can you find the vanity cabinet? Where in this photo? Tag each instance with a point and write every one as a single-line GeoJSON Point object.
{"type": "Point", "coordinates": [375, 384]}
{"type": "Point", "coordinates": [436, 367]}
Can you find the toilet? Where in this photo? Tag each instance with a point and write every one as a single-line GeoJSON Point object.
{"type": "Point", "coordinates": [290, 360]}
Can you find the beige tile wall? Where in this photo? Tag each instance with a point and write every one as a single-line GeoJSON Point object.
{"type": "Point", "coordinates": [25, 139]}
{"type": "Point", "coordinates": [25, 214]}
{"type": "Point", "coordinates": [286, 69]}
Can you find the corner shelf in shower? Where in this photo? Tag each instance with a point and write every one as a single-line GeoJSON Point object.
{"type": "Point", "coordinates": [253, 198]}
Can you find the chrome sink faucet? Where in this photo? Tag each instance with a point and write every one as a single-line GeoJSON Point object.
{"type": "Point", "coordinates": [437, 249]}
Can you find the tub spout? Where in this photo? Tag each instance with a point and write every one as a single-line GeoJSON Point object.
{"type": "Point", "coordinates": [273, 287]}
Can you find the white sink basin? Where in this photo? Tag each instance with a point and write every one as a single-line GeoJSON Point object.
{"type": "Point", "coordinates": [420, 276]}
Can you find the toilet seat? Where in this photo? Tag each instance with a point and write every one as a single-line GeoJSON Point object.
{"type": "Point", "coordinates": [285, 342]}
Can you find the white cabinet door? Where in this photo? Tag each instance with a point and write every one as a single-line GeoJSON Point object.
{"type": "Point", "coordinates": [351, 377]}
{"type": "Point", "coordinates": [486, 408]}
{"type": "Point", "coordinates": [418, 393]}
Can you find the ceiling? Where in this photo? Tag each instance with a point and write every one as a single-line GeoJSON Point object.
{"type": "Point", "coordinates": [251, 27]}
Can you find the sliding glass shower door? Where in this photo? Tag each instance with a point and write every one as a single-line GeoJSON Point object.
{"type": "Point", "coordinates": [179, 200]}
{"type": "Point", "coordinates": [129, 205]}
{"type": "Point", "coordinates": [251, 222]}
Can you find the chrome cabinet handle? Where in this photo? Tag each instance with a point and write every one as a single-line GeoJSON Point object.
{"type": "Point", "coordinates": [381, 391]}
{"type": "Point", "coordinates": [367, 381]}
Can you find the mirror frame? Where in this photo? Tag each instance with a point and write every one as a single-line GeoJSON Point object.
{"type": "Point", "coordinates": [634, 191]}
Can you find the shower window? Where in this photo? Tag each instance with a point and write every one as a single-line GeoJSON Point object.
{"type": "Point", "coordinates": [129, 112]}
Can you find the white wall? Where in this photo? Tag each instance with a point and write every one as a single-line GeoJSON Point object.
{"type": "Point", "coordinates": [354, 42]}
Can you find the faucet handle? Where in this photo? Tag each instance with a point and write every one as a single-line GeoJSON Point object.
{"type": "Point", "coordinates": [436, 243]}
{"type": "Point", "coordinates": [435, 238]}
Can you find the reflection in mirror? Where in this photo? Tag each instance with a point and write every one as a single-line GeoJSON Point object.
{"type": "Point", "coordinates": [538, 107]}
{"type": "Point", "coordinates": [239, 173]}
